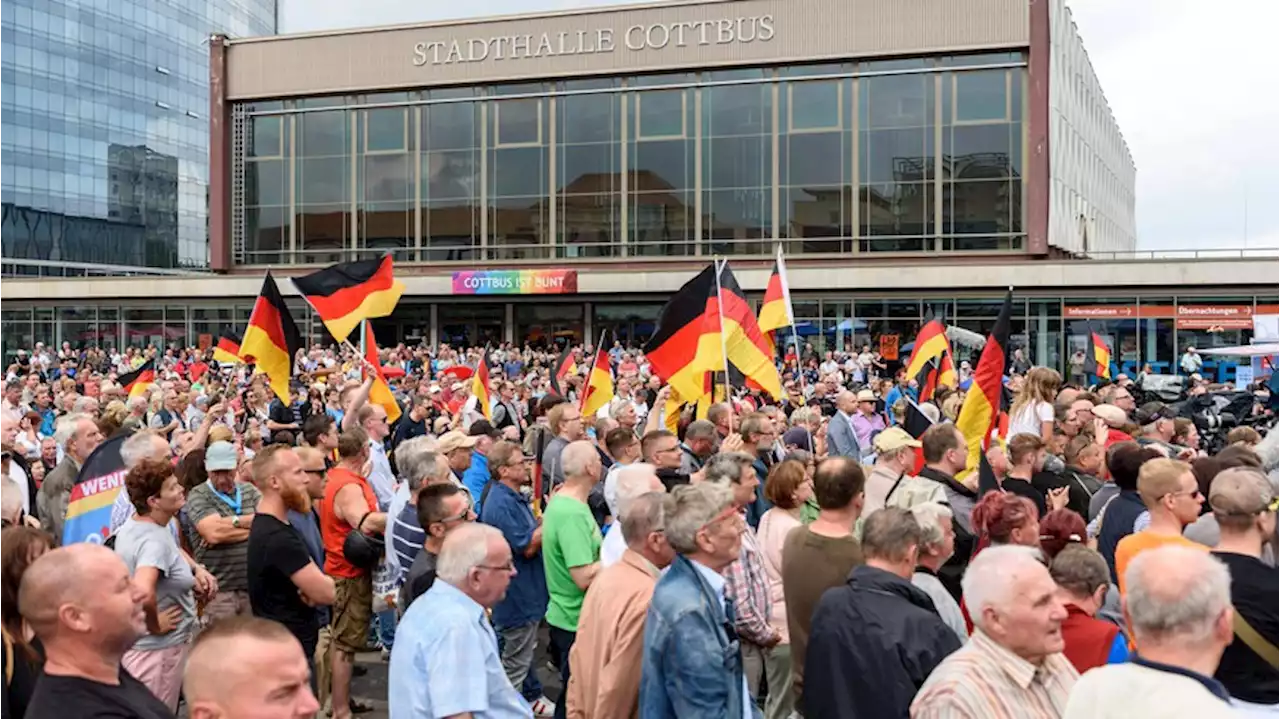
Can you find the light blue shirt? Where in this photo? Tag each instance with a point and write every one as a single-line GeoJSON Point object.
{"type": "Point", "coordinates": [717, 587]}
{"type": "Point", "coordinates": [381, 479]}
{"type": "Point", "coordinates": [445, 661]}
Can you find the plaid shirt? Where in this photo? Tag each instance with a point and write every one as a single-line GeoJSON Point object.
{"type": "Point", "coordinates": [747, 586]}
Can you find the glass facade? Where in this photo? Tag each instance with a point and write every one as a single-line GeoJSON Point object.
{"type": "Point", "coordinates": [916, 155]}
{"type": "Point", "coordinates": [1142, 330]}
{"type": "Point", "coordinates": [106, 129]}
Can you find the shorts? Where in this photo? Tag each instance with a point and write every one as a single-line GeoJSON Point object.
{"type": "Point", "coordinates": [160, 670]}
{"type": "Point", "coordinates": [352, 611]}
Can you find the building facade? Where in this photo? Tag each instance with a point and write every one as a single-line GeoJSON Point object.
{"type": "Point", "coordinates": [646, 133]}
{"type": "Point", "coordinates": [105, 148]}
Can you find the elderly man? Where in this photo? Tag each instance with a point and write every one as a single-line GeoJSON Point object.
{"type": "Point", "coordinates": [632, 481]}
{"type": "Point", "coordinates": [419, 466]}
{"type": "Point", "coordinates": [937, 544]}
{"type": "Point", "coordinates": [143, 444]}
{"type": "Point", "coordinates": [248, 667]}
{"type": "Point", "coordinates": [87, 612]}
{"type": "Point", "coordinates": [867, 422]}
{"type": "Point", "coordinates": [445, 661]}
{"type": "Point", "coordinates": [571, 550]}
{"type": "Point", "coordinates": [1244, 504]}
{"type": "Point", "coordinates": [609, 649]}
{"type": "Point", "coordinates": [698, 446]}
{"type": "Point", "coordinates": [686, 669]}
{"type": "Point", "coordinates": [878, 607]}
{"type": "Point", "coordinates": [842, 436]}
{"type": "Point", "coordinates": [1179, 610]}
{"type": "Point", "coordinates": [746, 584]}
{"type": "Point", "coordinates": [222, 511]}
{"type": "Point", "coordinates": [891, 473]}
{"type": "Point", "coordinates": [1012, 666]}
{"type": "Point", "coordinates": [169, 417]}
{"type": "Point", "coordinates": [1169, 490]}
{"type": "Point", "coordinates": [565, 423]}
{"type": "Point", "coordinates": [517, 617]}
{"type": "Point", "coordinates": [78, 435]}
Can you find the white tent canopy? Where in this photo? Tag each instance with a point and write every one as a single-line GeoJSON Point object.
{"type": "Point", "coordinates": [1261, 350]}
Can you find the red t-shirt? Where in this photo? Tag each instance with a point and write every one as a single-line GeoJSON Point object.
{"type": "Point", "coordinates": [333, 529]}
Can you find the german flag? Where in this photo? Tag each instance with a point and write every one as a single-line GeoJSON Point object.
{"type": "Point", "coordinates": [271, 341]}
{"type": "Point", "coordinates": [1097, 359]}
{"type": "Point", "coordinates": [380, 394]}
{"type": "Point", "coordinates": [775, 311]}
{"type": "Point", "coordinates": [731, 337]}
{"type": "Point", "coordinates": [599, 390]}
{"type": "Point", "coordinates": [981, 410]}
{"type": "Point", "coordinates": [480, 385]}
{"type": "Point", "coordinates": [137, 381]}
{"type": "Point", "coordinates": [348, 292]}
{"type": "Point", "coordinates": [227, 351]}
{"type": "Point", "coordinates": [671, 411]}
{"type": "Point", "coordinates": [674, 346]}
{"type": "Point", "coordinates": [565, 365]}
{"type": "Point", "coordinates": [931, 364]}
{"type": "Point", "coordinates": [916, 423]}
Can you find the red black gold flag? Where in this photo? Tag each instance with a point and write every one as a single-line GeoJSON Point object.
{"type": "Point", "coordinates": [1097, 358]}
{"type": "Point", "coordinates": [674, 346]}
{"type": "Point", "coordinates": [731, 337]}
{"type": "Point", "coordinates": [227, 351]}
{"type": "Point", "coordinates": [775, 311]}
{"type": "Point", "coordinates": [599, 389]}
{"type": "Point", "coordinates": [565, 365]}
{"type": "Point", "coordinates": [348, 292]}
{"type": "Point", "coordinates": [480, 385]}
{"type": "Point", "coordinates": [983, 403]}
{"type": "Point", "coordinates": [916, 423]}
{"type": "Point", "coordinates": [931, 364]}
{"type": "Point", "coordinates": [137, 381]}
{"type": "Point", "coordinates": [380, 393]}
{"type": "Point", "coordinates": [271, 341]}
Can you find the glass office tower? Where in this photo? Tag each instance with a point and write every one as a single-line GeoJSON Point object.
{"type": "Point", "coordinates": [106, 130]}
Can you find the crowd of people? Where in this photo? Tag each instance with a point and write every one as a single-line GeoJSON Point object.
{"type": "Point", "coordinates": [800, 557]}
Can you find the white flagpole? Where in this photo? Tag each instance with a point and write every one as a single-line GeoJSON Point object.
{"type": "Point", "coordinates": [724, 349]}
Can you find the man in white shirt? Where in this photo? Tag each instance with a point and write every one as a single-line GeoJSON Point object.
{"type": "Point", "coordinates": [633, 481]}
{"type": "Point", "coordinates": [373, 419]}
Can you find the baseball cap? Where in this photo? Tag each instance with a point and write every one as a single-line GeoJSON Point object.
{"type": "Point", "coordinates": [866, 395]}
{"type": "Point", "coordinates": [220, 456]}
{"type": "Point", "coordinates": [894, 439]}
{"type": "Point", "coordinates": [798, 437]}
{"type": "Point", "coordinates": [482, 427]}
{"type": "Point", "coordinates": [1111, 414]}
{"type": "Point", "coordinates": [1152, 411]}
{"type": "Point", "coordinates": [454, 439]}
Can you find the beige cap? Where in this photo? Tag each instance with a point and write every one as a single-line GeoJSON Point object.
{"type": "Point", "coordinates": [454, 439]}
{"type": "Point", "coordinates": [866, 395]}
{"type": "Point", "coordinates": [1111, 414]}
{"type": "Point", "coordinates": [894, 439]}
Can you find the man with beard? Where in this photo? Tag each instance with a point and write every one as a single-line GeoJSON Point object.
{"type": "Point", "coordinates": [285, 584]}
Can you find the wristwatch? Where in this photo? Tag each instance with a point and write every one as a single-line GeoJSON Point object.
{"type": "Point", "coordinates": [235, 522]}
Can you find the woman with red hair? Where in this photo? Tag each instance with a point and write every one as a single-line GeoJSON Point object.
{"type": "Point", "coordinates": [1005, 518]}
{"type": "Point", "coordinates": [1060, 529]}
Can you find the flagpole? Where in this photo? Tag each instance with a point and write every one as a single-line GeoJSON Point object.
{"type": "Point", "coordinates": [586, 387]}
{"type": "Point", "coordinates": [724, 348]}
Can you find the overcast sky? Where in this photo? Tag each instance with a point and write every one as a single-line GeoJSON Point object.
{"type": "Point", "coordinates": [1193, 85]}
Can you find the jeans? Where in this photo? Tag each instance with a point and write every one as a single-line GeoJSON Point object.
{"type": "Point", "coordinates": [561, 643]}
{"type": "Point", "coordinates": [387, 628]}
{"type": "Point", "coordinates": [516, 645]}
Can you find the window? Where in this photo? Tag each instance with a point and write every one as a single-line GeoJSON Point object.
{"type": "Point", "coordinates": [737, 161]}
{"type": "Point", "coordinates": [450, 182]}
{"type": "Point", "coordinates": [660, 170]}
{"type": "Point", "coordinates": [518, 172]}
{"type": "Point", "coordinates": [589, 174]}
{"type": "Point", "coordinates": [815, 166]}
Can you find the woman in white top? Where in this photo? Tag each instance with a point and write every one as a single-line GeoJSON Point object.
{"type": "Point", "coordinates": [1032, 410]}
{"type": "Point", "coordinates": [788, 487]}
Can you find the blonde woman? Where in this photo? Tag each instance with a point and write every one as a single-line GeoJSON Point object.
{"type": "Point", "coordinates": [1032, 410]}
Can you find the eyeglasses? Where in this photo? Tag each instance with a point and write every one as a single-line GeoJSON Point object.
{"type": "Point", "coordinates": [467, 514]}
{"type": "Point", "coordinates": [321, 472]}
{"type": "Point", "coordinates": [1193, 493]}
{"type": "Point", "coordinates": [508, 567]}
{"type": "Point", "coordinates": [730, 512]}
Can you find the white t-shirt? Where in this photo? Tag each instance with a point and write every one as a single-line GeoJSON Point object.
{"type": "Point", "coordinates": [1029, 418]}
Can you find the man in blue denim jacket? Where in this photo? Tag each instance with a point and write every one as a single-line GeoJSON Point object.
{"type": "Point", "coordinates": [692, 658]}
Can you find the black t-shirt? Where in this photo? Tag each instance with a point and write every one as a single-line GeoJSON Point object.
{"type": "Point", "coordinates": [407, 429]}
{"type": "Point", "coordinates": [422, 574]}
{"type": "Point", "coordinates": [58, 697]}
{"type": "Point", "coordinates": [277, 551]}
{"type": "Point", "coordinates": [1023, 488]}
{"type": "Point", "coordinates": [1255, 594]}
{"type": "Point", "coordinates": [24, 669]}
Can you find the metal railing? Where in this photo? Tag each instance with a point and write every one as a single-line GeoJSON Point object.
{"type": "Point", "coordinates": [18, 268]}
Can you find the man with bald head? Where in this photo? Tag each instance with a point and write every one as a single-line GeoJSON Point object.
{"type": "Point", "coordinates": [842, 439]}
{"type": "Point", "coordinates": [86, 611]}
{"type": "Point", "coordinates": [570, 550]}
{"type": "Point", "coordinates": [248, 668]}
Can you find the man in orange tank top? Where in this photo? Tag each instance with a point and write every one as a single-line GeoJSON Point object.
{"type": "Point", "coordinates": [349, 503]}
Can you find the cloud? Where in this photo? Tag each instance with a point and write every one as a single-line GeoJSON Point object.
{"type": "Point", "coordinates": [1192, 84]}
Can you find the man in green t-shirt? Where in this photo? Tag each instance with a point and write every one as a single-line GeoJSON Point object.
{"type": "Point", "coordinates": [570, 551]}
